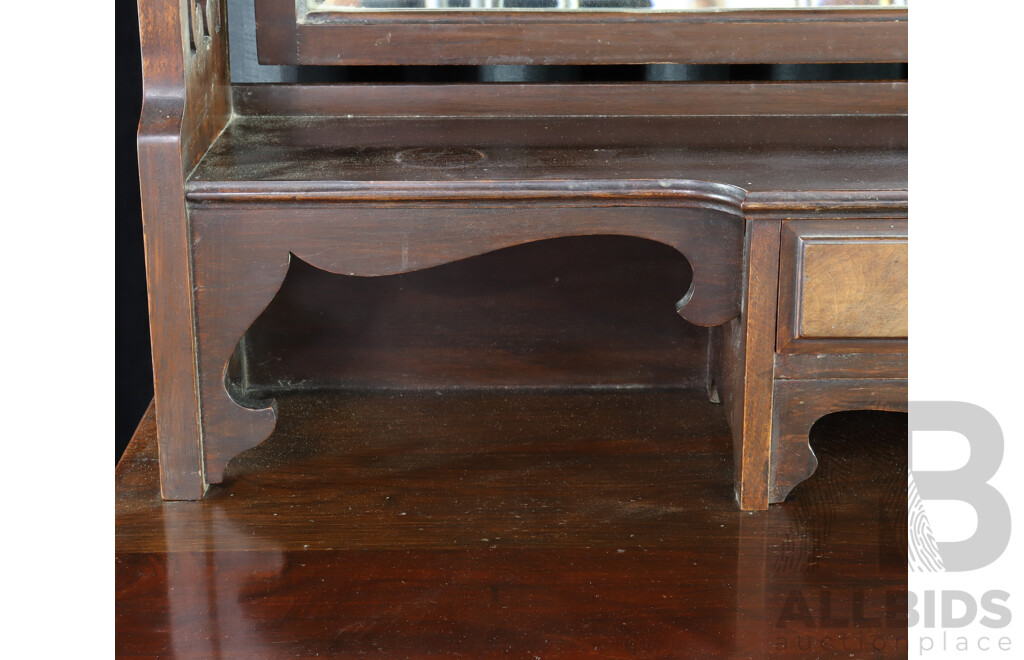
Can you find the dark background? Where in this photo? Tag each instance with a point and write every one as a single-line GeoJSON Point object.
{"type": "Point", "coordinates": [134, 387]}
{"type": "Point", "coordinates": [133, 370]}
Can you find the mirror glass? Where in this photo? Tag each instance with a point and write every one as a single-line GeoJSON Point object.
{"type": "Point", "coordinates": [591, 5]}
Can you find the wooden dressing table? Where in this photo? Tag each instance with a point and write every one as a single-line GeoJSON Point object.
{"type": "Point", "coordinates": [788, 200]}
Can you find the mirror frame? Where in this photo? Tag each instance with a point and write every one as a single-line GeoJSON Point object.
{"type": "Point", "coordinates": [784, 36]}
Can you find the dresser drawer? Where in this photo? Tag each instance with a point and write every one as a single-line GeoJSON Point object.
{"type": "Point", "coordinates": [843, 286]}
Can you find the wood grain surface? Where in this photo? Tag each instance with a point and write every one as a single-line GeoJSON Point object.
{"type": "Point", "coordinates": [186, 103]}
{"type": "Point", "coordinates": [801, 403]}
{"type": "Point", "coordinates": [593, 37]}
{"type": "Point", "coordinates": [843, 287]}
{"type": "Point", "coordinates": [854, 289]}
{"type": "Point", "coordinates": [741, 366]}
{"type": "Point", "coordinates": [513, 524]}
{"type": "Point", "coordinates": [643, 158]}
{"type": "Point", "coordinates": [574, 99]}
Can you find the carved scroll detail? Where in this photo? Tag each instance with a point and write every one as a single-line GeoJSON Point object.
{"type": "Point", "coordinates": [204, 21]}
{"type": "Point", "coordinates": [232, 291]}
{"type": "Point", "coordinates": [798, 404]}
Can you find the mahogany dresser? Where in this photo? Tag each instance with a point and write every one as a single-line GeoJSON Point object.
{"type": "Point", "coordinates": [788, 199]}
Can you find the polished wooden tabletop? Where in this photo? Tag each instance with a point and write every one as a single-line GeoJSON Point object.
{"type": "Point", "coordinates": [756, 153]}
{"type": "Point", "coordinates": [515, 524]}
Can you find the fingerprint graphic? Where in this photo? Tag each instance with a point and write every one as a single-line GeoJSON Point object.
{"type": "Point", "coordinates": [922, 551]}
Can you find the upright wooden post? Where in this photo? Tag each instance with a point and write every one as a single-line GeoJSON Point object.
{"type": "Point", "coordinates": [186, 103]}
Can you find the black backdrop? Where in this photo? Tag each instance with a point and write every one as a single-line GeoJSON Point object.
{"type": "Point", "coordinates": [133, 370]}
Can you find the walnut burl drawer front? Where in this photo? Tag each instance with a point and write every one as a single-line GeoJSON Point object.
{"type": "Point", "coordinates": [843, 286]}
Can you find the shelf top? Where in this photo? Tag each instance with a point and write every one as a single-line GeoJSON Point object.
{"type": "Point", "coordinates": [318, 159]}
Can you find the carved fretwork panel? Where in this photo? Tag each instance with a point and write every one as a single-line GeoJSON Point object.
{"type": "Point", "coordinates": [208, 103]}
{"type": "Point", "coordinates": [204, 21]}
